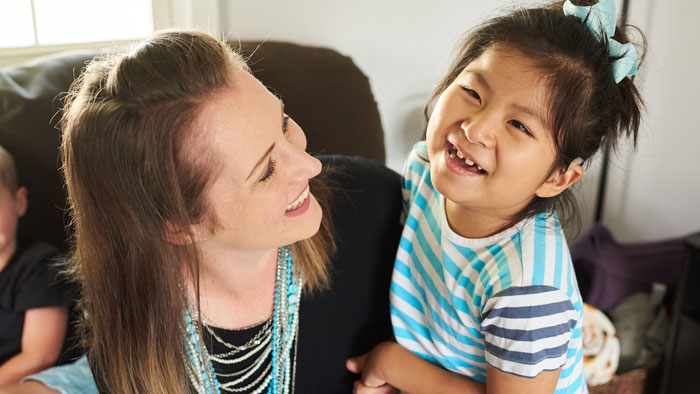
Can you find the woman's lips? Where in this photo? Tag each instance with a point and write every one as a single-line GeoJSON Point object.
{"type": "Point", "coordinates": [300, 205]}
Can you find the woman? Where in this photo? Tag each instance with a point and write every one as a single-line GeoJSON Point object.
{"type": "Point", "coordinates": [186, 180]}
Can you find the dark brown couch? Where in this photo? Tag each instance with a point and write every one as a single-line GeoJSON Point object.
{"type": "Point", "coordinates": [323, 90]}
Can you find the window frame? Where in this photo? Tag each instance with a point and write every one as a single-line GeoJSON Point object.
{"type": "Point", "coordinates": [166, 14]}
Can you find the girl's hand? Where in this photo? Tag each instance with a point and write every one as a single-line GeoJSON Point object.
{"type": "Point", "coordinates": [369, 366]}
{"type": "Point", "coordinates": [359, 388]}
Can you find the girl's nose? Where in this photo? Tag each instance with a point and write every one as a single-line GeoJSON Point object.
{"type": "Point", "coordinates": [479, 131]}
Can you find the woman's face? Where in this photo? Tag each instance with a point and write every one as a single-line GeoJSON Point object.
{"type": "Point", "coordinates": [259, 197]}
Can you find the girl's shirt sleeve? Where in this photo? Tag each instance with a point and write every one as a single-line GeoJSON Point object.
{"type": "Point", "coordinates": [68, 379]}
{"type": "Point", "coordinates": [416, 167]}
{"type": "Point", "coordinates": [527, 329]}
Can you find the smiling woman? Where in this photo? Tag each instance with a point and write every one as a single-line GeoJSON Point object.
{"type": "Point", "coordinates": [199, 236]}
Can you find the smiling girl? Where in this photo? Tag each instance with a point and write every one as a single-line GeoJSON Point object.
{"type": "Point", "coordinates": [484, 296]}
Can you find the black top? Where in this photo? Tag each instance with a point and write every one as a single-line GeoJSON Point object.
{"type": "Point", "coordinates": [353, 316]}
{"type": "Point", "coordinates": [28, 281]}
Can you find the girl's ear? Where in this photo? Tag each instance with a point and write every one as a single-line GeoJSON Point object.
{"type": "Point", "coordinates": [558, 182]}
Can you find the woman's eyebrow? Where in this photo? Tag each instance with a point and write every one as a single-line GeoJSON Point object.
{"type": "Point", "coordinates": [262, 158]}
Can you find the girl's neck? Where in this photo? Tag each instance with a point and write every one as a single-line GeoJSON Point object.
{"type": "Point", "coordinates": [472, 223]}
{"type": "Point", "coordinates": [236, 288]}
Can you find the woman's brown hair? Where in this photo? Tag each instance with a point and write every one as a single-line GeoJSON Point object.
{"type": "Point", "coordinates": [127, 135]}
{"type": "Point", "coordinates": [587, 111]}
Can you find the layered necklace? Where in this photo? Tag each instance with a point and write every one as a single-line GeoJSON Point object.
{"type": "Point", "coordinates": [273, 368]}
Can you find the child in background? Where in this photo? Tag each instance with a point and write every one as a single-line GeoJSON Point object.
{"type": "Point", "coordinates": [33, 302]}
{"type": "Point", "coordinates": [484, 296]}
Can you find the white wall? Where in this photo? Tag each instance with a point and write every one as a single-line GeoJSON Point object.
{"type": "Point", "coordinates": [404, 47]}
{"type": "Point", "coordinates": [655, 193]}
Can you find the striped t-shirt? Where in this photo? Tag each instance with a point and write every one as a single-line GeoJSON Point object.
{"type": "Point", "coordinates": [509, 301]}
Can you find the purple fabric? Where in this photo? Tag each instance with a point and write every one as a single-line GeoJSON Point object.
{"type": "Point", "coordinates": [608, 271]}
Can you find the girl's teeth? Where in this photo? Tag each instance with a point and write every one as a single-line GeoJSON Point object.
{"type": "Point", "coordinates": [461, 156]}
{"type": "Point", "coordinates": [457, 153]}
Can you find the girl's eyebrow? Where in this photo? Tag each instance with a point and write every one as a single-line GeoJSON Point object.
{"type": "Point", "coordinates": [521, 108]}
{"type": "Point", "coordinates": [481, 79]}
{"type": "Point", "coordinates": [529, 111]}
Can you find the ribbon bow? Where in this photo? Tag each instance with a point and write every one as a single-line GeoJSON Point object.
{"type": "Point", "coordinates": [600, 19]}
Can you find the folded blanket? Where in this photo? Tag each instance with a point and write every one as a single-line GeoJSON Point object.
{"type": "Point", "coordinates": [601, 348]}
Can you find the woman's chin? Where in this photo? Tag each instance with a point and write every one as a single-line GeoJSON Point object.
{"type": "Point", "coordinates": [306, 224]}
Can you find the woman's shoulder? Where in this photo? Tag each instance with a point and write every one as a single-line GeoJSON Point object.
{"type": "Point", "coordinates": [353, 316]}
{"type": "Point", "coordinates": [363, 190]}
{"type": "Point", "coordinates": [359, 171]}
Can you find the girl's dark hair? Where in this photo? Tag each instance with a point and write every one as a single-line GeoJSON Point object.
{"type": "Point", "coordinates": [587, 111]}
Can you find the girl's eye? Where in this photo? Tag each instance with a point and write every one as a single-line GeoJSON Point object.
{"type": "Point", "coordinates": [472, 93]}
{"type": "Point", "coordinates": [269, 172]}
{"type": "Point", "coordinates": [285, 123]}
{"type": "Point", "coordinates": [520, 127]}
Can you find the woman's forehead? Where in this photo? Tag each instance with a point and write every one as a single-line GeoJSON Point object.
{"type": "Point", "coordinates": [238, 123]}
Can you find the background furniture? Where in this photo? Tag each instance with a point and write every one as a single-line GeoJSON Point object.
{"type": "Point", "coordinates": [323, 91]}
{"type": "Point", "coordinates": [682, 357]}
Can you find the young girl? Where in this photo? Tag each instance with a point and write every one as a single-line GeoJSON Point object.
{"type": "Point", "coordinates": [484, 296]}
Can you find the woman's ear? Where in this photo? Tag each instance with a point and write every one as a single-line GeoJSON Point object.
{"type": "Point", "coordinates": [560, 181]}
{"type": "Point", "coordinates": [176, 234]}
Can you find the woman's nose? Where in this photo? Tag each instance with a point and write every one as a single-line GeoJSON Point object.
{"type": "Point", "coordinates": [306, 165]}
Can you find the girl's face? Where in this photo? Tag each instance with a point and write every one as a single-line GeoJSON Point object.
{"type": "Point", "coordinates": [489, 144]}
{"type": "Point", "coordinates": [260, 196]}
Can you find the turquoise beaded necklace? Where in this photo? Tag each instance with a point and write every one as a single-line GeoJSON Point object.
{"type": "Point", "coordinates": [285, 326]}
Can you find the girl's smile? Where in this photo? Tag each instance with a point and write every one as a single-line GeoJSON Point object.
{"type": "Point", "coordinates": [460, 162]}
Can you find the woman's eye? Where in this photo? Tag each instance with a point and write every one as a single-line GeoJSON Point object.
{"type": "Point", "coordinates": [269, 172]}
{"type": "Point", "coordinates": [472, 93]}
{"type": "Point", "coordinates": [520, 126]}
{"type": "Point", "coordinates": [285, 123]}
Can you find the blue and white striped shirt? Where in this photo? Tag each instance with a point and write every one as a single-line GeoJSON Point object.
{"type": "Point", "coordinates": [509, 301]}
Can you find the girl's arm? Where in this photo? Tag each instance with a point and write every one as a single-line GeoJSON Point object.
{"type": "Point", "coordinates": [390, 363]}
{"type": "Point", "coordinates": [43, 333]}
{"type": "Point", "coordinates": [498, 382]}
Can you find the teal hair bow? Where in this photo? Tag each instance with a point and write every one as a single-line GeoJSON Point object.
{"type": "Point", "coordinates": [600, 19]}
